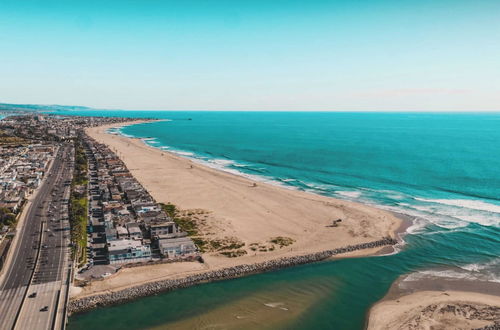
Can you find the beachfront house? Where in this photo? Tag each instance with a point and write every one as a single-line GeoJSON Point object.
{"type": "Point", "coordinates": [177, 247]}
{"type": "Point", "coordinates": [111, 234]}
{"type": "Point", "coordinates": [128, 250]}
{"type": "Point", "coordinates": [122, 232]}
{"type": "Point", "coordinates": [163, 229]}
{"type": "Point", "coordinates": [134, 231]}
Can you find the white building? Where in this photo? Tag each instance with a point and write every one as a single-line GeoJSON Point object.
{"type": "Point", "coordinates": [128, 250]}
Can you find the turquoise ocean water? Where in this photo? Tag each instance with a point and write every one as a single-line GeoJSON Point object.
{"type": "Point", "coordinates": [443, 169]}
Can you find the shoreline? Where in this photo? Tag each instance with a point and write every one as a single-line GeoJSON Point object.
{"type": "Point", "coordinates": [445, 310]}
{"type": "Point", "coordinates": [261, 206]}
{"type": "Point", "coordinates": [401, 287]}
{"type": "Point", "coordinates": [405, 300]}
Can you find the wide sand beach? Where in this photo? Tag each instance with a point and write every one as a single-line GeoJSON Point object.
{"type": "Point", "coordinates": [236, 208]}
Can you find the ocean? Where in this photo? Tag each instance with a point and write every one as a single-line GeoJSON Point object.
{"type": "Point", "coordinates": [442, 169]}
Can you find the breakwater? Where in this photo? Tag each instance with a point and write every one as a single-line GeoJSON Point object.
{"type": "Point", "coordinates": [84, 304]}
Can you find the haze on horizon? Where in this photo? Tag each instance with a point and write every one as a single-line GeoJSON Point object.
{"type": "Point", "coordinates": [252, 55]}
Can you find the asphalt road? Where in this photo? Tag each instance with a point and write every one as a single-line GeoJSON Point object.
{"type": "Point", "coordinates": [33, 268]}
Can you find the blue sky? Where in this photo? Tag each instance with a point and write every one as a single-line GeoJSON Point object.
{"type": "Point", "coordinates": [252, 54]}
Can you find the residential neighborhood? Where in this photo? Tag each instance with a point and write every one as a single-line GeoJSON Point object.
{"type": "Point", "coordinates": [21, 170]}
{"type": "Point", "coordinates": [126, 224]}
{"type": "Point", "coordinates": [67, 204]}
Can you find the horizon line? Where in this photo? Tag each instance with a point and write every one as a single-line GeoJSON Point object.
{"type": "Point", "coordinates": [90, 108]}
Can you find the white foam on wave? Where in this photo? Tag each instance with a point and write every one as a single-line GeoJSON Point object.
{"type": "Point", "coordinates": [450, 216]}
{"type": "Point", "coordinates": [240, 165]}
{"type": "Point", "coordinates": [445, 213]}
{"type": "Point", "coordinates": [417, 227]}
{"type": "Point", "coordinates": [493, 266]}
{"type": "Point", "coordinates": [473, 267]}
{"type": "Point", "coordinates": [182, 153]}
{"type": "Point", "coordinates": [118, 131]}
{"type": "Point", "coordinates": [389, 194]}
{"type": "Point", "coordinates": [465, 203]}
{"type": "Point", "coordinates": [227, 165]}
{"type": "Point", "coordinates": [488, 271]}
{"type": "Point", "coordinates": [454, 274]}
{"type": "Point", "coordinates": [222, 162]}
{"type": "Point", "coordinates": [349, 193]}
{"type": "Point", "coordinates": [425, 274]}
{"type": "Point", "coordinates": [317, 187]}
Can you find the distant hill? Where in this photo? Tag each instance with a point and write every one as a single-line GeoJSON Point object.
{"type": "Point", "coordinates": [40, 107]}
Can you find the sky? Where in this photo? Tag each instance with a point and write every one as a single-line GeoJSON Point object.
{"type": "Point", "coordinates": [343, 55]}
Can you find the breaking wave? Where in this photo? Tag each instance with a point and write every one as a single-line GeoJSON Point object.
{"type": "Point", "coordinates": [465, 203]}
{"type": "Point", "coordinates": [458, 274]}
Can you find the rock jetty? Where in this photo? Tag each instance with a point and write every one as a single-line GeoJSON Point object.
{"type": "Point", "coordinates": [84, 304]}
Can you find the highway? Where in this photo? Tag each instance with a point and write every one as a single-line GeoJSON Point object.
{"type": "Point", "coordinates": [36, 274]}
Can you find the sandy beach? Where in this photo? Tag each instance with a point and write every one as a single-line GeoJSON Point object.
{"type": "Point", "coordinates": [232, 207]}
{"type": "Point", "coordinates": [436, 310]}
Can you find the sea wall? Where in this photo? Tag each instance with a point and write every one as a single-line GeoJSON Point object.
{"type": "Point", "coordinates": [79, 305]}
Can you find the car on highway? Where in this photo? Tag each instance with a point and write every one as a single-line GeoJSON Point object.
{"type": "Point", "coordinates": [44, 309]}
{"type": "Point", "coordinates": [33, 295]}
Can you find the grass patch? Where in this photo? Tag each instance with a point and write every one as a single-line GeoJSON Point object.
{"type": "Point", "coordinates": [186, 224]}
{"type": "Point", "coordinates": [225, 244]}
{"type": "Point", "coordinates": [78, 223]}
{"type": "Point", "coordinates": [234, 254]}
{"type": "Point", "coordinates": [200, 243]}
{"type": "Point", "coordinates": [282, 241]}
{"type": "Point", "coordinates": [78, 205]}
{"type": "Point", "coordinates": [188, 221]}
{"type": "Point", "coordinates": [12, 141]}
{"type": "Point", "coordinates": [169, 209]}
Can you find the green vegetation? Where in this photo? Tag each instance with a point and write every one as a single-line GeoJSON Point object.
{"type": "Point", "coordinates": [200, 243]}
{"type": "Point", "coordinates": [186, 224]}
{"type": "Point", "coordinates": [79, 205]}
{"type": "Point", "coordinates": [7, 218]}
{"type": "Point", "coordinates": [169, 209]}
{"type": "Point", "coordinates": [11, 140]}
{"type": "Point", "coordinates": [226, 244]}
{"type": "Point", "coordinates": [7, 139]}
{"type": "Point", "coordinates": [234, 254]}
{"type": "Point", "coordinates": [78, 223]}
{"type": "Point", "coordinates": [282, 241]}
{"type": "Point", "coordinates": [80, 177]}
{"type": "Point", "coordinates": [262, 247]}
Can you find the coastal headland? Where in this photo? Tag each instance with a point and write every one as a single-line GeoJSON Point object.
{"type": "Point", "coordinates": [270, 227]}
